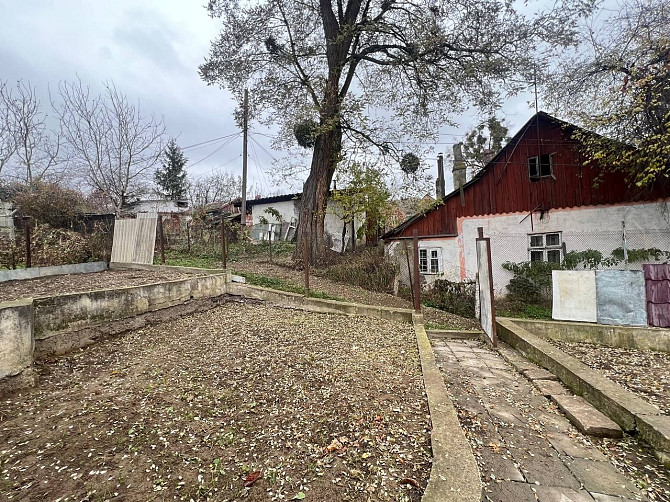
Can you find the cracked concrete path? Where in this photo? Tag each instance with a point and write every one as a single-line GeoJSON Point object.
{"type": "Point", "coordinates": [526, 449]}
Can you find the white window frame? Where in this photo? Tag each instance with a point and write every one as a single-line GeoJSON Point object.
{"type": "Point", "coordinates": [544, 248]}
{"type": "Point", "coordinates": [425, 263]}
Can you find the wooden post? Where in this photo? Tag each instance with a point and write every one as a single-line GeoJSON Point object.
{"type": "Point", "coordinates": [270, 242]}
{"type": "Point", "coordinates": [305, 260]}
{"type": "Point", "coordinates": [161, 243]}
{"type": "Point", "coordinates": [188, 236]}
{"type": "Point", "coordinates": [417, 279]}
{"type": "Point", "coordinates": [224, 251]}
{"type": "Point", "coordinates": [409, 272]}
{"type": "Point", "coordinates": [26, 221]}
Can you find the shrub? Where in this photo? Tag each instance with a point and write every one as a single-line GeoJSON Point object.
{"type": "Point", "coordinates": [532, 280]}
{"type": "Point", "coordinates": [56, 246]}
{"type": "Point", "coordinates": [368, 269]}
{"type": "Point", "coordinates": [455, 297]}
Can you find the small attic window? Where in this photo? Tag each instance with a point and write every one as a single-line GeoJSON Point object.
{"type": "Point", "coordinates": [545, 168]}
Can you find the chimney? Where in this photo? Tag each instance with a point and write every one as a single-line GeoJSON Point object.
{"type": "Point", "coordinates": [459, 170]}
{"type": "Point", "coordinates": [439, 182]}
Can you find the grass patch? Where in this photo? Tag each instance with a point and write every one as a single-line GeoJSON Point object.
{"type": "Point", "coordinates": [282, 285]}
{"type": "Point", "coordinates": [525, 311]}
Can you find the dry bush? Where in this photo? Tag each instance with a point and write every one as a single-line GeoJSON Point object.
{"type": "Point", "coordinates": [368, 269]}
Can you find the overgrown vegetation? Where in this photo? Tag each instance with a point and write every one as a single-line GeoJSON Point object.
{"type": "Point", "coordinates": [455, 297]}
{"type": "Point", "coordinates": [368, 269]}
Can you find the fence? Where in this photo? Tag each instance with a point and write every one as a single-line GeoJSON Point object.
{"type": "Point", "coordinates": [627, 249]}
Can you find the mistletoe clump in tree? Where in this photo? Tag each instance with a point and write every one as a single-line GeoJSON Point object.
{"type": "Point", "coordinates": [171, 177]}
{"type": "Point", "coordinates": [372, 69]}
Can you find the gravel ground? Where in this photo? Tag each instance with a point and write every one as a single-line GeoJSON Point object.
{"type": "Point", "coordinates": [74, 283]}
{"type": "Point", "coordinates": [295, 405]}
{"type": "Point", "coordinates": [350, 293]}
{"type": "Point", "coordinates": [643, 372]}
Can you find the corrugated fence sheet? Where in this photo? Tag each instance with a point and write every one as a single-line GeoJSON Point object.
{"type": "Point", "coordinates": [574, 295]}
{"type": "Point", "coordinates": [657, 283]}
{"type": "Point", "coordinates": [134, 240]}
{"type": "Point", "coordinates": [620, 297]}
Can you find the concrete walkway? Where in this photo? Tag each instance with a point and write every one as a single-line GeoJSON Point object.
{"type": "Point", "coordinates": [525, 448]}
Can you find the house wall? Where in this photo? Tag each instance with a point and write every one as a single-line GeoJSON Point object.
{"type": "Point", "coordinates": [595, 227]}
{"type": "Point", "coordinates": [505, 185]}
{"type": "Point", "coordinates": [289, 209]}
{"type": "Point", "coordinates": [449, 248]}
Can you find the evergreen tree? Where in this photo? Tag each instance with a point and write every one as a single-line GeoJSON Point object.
{"type": "Point", "coordinates": [171, 177]}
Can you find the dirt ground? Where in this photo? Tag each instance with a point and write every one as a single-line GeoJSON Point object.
{"type": "Point", "coordinates": [643, 372]}
{"type": "Point", "coordinates": [350, 293]}
{"type": "Point", "coordinates": [74, 283]}
{"type": "Point", "coordinates": [310, 406]}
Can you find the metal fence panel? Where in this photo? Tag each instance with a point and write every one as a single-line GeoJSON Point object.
{"type": "Point", "coordinates": [657, 283]}
{"type": "Point", "coordinates": [620, 297]}
{"type": "Point", "coordinates": [134, 240]}
{"type": "Point", "coordinates": [486, 308]}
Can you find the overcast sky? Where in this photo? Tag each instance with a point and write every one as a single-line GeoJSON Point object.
{"type": "Point", "coordinates": [151, 50]}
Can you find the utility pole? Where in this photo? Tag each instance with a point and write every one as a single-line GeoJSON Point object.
{"type": "Point", "coordinates": [245, 130]}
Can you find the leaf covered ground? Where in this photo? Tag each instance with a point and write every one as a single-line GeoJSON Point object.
{"type": "Point", "coordinates": [244, 401]}
{"type": "Point", "coordinates": [643, 372]}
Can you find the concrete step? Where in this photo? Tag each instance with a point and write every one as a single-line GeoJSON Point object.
{"type": "Point", "coordinates": [585, 417]}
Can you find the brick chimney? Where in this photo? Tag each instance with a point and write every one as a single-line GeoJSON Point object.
{"type": "Point", "coordinates": [459, 169]}
{"type": "Point", "coordinates": [439, 182]}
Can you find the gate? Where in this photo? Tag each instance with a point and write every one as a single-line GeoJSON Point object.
{"type": "Point", "coordinates": [487, 314]}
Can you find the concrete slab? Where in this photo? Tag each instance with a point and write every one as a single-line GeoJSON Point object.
{"type": "Point", "coordinates": [567, 445]}
{"type": "Point", "coordinates": [586, 418]}
{"type": "Point", "coordinates": [509, 490]}
{"type": "Point", "coordinates": [550, 387]}
{"type": "Point", "coordinates": [548, 471]}
{"type": "Point", "coordinates": [501, 466]}
{"type": "Point", "coordinates": [601, 477]}
{"type": "Point", "coordinates": [538, 374]}
{"type": "Point", "coordinates": [600, 497]}
{"type": "Point", "coordinates": [553, 494]}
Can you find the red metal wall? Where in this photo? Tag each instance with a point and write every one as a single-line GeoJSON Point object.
{"type": "Point", "coordinates": [506, 187]}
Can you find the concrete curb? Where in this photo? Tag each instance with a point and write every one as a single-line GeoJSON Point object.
{"type": "Point", "coordinates": [172, 268]}
{"type": "Point", "coordinates": [454, 476]}
{"type": "Point", "coordinates": [35, 272]}
{"type": "Point", "coordinates": [626, 409]}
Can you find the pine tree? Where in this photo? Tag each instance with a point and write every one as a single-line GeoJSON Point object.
{"type": "Point", "coordinates": [171, 177]}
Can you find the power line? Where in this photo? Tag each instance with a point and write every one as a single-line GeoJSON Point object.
{"type": "Point", "coordinates": [210, 141]}
{"type": "Point", "coordinates": [217, 149]}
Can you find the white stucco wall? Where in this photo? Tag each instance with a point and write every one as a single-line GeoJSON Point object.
{"type": "Point", "coordinates": [450, 251]}
{"type": "Point", "coordinates": [289, 209]}
{"type": "Point", "coordinates": [595, 227]}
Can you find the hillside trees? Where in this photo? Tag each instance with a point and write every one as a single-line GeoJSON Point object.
{"type": "Point", "coordinates": [171, 177]}
{"type": "Point", "coordinates": [334, 61]}
{"type": "Point", "coordinates": [618, 85]}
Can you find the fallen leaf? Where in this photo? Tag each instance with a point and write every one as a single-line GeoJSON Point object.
{"type": "Point", "coordinates": [298, 496]}
{"type": "Point", "coordinates": [252, 478]}
{"type": "Point", "coordinates": [409, 481]}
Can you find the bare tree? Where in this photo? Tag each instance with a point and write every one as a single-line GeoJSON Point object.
{"type": "Point", "coordinates": [217, 187]}
{"type": "Point", "coordinates": [109, 140]}
{"type": "Point", "coordinates": [34, 148]}
{"type": "Point", "coordinates": [7, 136]}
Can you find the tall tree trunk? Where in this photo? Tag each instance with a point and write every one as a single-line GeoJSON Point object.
{"type": "Point", "coordinates": [315, 194]}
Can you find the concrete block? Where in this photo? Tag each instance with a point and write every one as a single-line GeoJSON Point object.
{"type": "Point", "coordinates": [586, 418]}
{"type": "Point", "coordinates": [602, 477]}
{"type": "Point", "coordinates": [16, 337]}
{"type": "Point", "coordinates": [656, 430]}
{"type": "Point", "coordinates": [553, 494]}
{"type": "Point", "coordinates": [538, 374]}
{"type": "Point", "coordinates": [550, 387]}
{"type": "Point", "coordinates": [32, 273]}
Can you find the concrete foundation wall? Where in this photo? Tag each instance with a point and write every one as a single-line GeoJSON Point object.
{"type": "Point", "coordinates": [16, 337]}
{"type": "Point", "coordinates": [70, 312]}
{"type": "Point", "coordinates": [32, 273]}
{"type": "Point", "coordinates": [625, 337]}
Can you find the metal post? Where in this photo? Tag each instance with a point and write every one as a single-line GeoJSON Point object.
{"type": "Point", "coordinates": [26, 221]}
{"type": "Point", "coordinates": [245, 130]}
{"type": "Point", "coordinates": [417, 283]}
{"type": "Point", "coordinates": [223, 243]}
{"type": "Point", "coordinates": [161, 243]}
{"type": "Point", "coordinates": [305, 259]}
